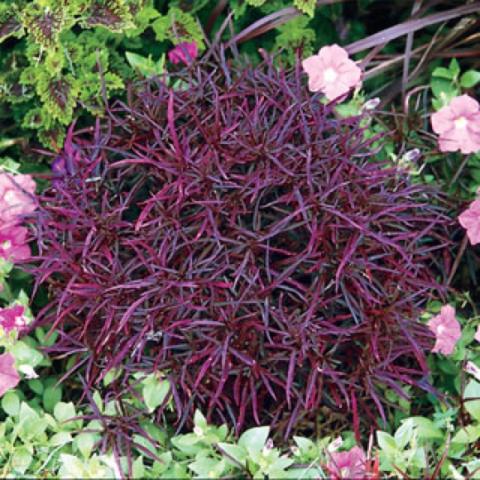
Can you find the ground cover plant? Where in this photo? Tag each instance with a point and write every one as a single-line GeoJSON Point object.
{"type": "Point", "coordinates": [239, 239]}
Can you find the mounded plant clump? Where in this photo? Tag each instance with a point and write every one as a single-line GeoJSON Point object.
{"type": "Point", "coordinates": [238, 237]}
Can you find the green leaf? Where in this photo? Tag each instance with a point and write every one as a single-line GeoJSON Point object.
{"type": "Point", "coordinates": [469, 434]}
{"type": "Point", "coordinates": [21, 459]}
{"type": "Point", "coordinates": [11, 403]}
{"type": "Point", "coordinates": [470, 78]}
{"type": "Point", "coordinates": [146, 65]}
{"type": "Point", "coordinates": [138, 468]}
{"type": "Point", "coordinates": [63, 412]}
{"type": "Point", "coordinates": [386, 442]}
{"type": "Point", "coordinates": [306, 6]}
{"type": "Point", "coordinates": [154, 392]}
{"type": "Point", "coordinates": [304, 444]}
{"type": "Point", "coordinates": [206, 467]}
{"type": "Point", "coordinates": [454, 67]}
{"type": "Point", "coordinates": [254, 439]}
{"type": "Point", "coordinates": [426, 429]}
{"type": "Point", "coordinates": [472, 390]}
{"type": "Point", "coordinates": [60, 438]}
{"type": "Point", "coordinates": [235, 452]}
{"type": "Point", "coordinates": [443, 72]}
{"type": "Point", "coordinates": [26, 355]}
{"type": "Point", "coordinates": [84, 443]}
{"type": "Point", "coordinates": [199, 420]}
{"type": "Point", "coordinates": [404, 434]}
{"type": "Point", "coordinates": [51, 396]}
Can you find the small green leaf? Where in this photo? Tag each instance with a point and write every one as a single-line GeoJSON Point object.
{"type": "Point", "coordinates": [199, 420]}
{"type": "Point", "coordinates": [234, 453]}
{"type": "Point", "coordinates": [154, 392]}
{"type": "Point", "coordinates": [472, 390]}
{"type": "Point", "coordinates": [138, 468]}
{"type": "Point", "coordinates": [63, 412]}
{"type": "Point", "coordinates": [454, 67]}
{"type": "Point", "coordinates": [84, 443]}
{"type": "Point", "coordinates": [386, 442]}
{"type": "Point", "coordinates": [443, 89]}
{"type": "Point", "coordinates": [51, 396]}
{"type": "Point", "coordinates": [254, 439]}
{"type": "Point", "coordinates": [469, 434]}
{"type": "Point", "coordinates": [24, 354]}
{"type": "Point", "coordinates": [21, 459]}
{"type": "Point", "coordinates": [304, 444]}
{"type": "Point", "coordinates": [470, 78]}
{"type": "Point", "coordinates": [11, 403]}
{"type": "Point", "coordinates": [60, 438]}
{"type": "Point", "coordinates": [146, 65]}
{"type": "Point", "coordinates": [443, 72]}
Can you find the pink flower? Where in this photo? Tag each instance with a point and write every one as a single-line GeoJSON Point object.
{"type": "Point", "coordinates": [9, 377]}
{"type": "Point", "coordinates": [446, 329]}
{"type": "Point", "coordinates": [184, 52]}
{"type": "Point", "coordinates": [16, 196]}
{"type": "Point", "coordinates": [332, 72]}
{"type": "Point", "coordinates": [12, 318]}
{"type": "Point", "coordinates": [13, 243]}
{"type": "Point", "coordinates": [477, 334]}
{"type": "Point", "coordinates": [470, 221]}
{"type": "Point", "coordinates": [458, 125]}
{"type": "Point", "coordinates": [349, 464]}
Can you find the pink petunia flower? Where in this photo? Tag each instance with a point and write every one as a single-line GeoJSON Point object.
{"type": "Point", "coordinates": [332, 72]}
{"type": "Point", "coordinates": [9, 376]}
{"type": "Point", "coordinates": [184, 52]}
{"type": "Point", "coordinates": [470, 221]}
{"type": "Point", "coordinates": [16, 192]}
{"type": "Point", "coordinates": [446, 329]}
{"type": "Point", "coordinates": [458, 125]}
{"type": "Point", "coordinates": [13, 243]}
{"type": "Point", "coordinates": [351, 464]}
{"type": "Point", "coordinates": [12, 318]}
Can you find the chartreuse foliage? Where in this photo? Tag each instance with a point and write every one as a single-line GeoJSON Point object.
{"type": "Point", "coordinates": [57, 55]}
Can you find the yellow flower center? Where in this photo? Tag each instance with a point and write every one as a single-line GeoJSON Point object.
{"type": "Point", "coordinates": [330, 75]}
{"type": "Point", "coordinates": [6, 244]}
{"type": "Point", "coordinates": [461, 123]}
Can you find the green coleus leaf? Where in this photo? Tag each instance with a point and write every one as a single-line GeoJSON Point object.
{"type": "Point", "coordinates": [256, 3]}
{"type": "Point", "coordinates": [111, 14]}
{"type": "Point", "coordinates": [306, 6]}
{"type": "Point", "coordinates": [44, 24]}
{"type": "Point", "coordinates": [178, 26]}
{"type": "Point", "coordinates": [10, 23]}
{"type": "Point", "coordinates": [295, 34]}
